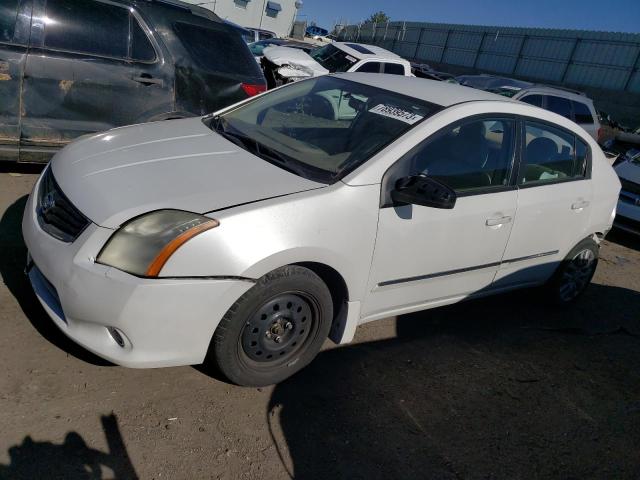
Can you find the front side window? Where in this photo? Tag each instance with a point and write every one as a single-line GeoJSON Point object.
{"type": "Point", "coordinates": [550, 155]}
{"type": "Point", "coordinates": [321, 128]}
{"type": "Point", "coordinates": [369, 67]}
{"type": "Point", "coordinates": [87, 27]}
{"type": "Point", "coordinates": [394, 68]}
{"type": "Point", "coordinates": [333, 59]}
{"type": "Point", "coordinates": [8, 17]}
{"type": "Point", "coordinates": [473, 155]}
{"type": "Point", "coordinates": [581, 113]}
{"type": "Point", "coordinates": [559, 105]}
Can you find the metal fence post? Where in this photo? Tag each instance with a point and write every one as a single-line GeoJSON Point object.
{"type": "Point", "coordinates": [415, 54]}
{"type": "Point", "coordinates": [444, 47]}
{"type": "Point", "coordinates": [479, 51]}
{"type": "Point", "coordinates": [570, 61]}
{"type": "Point", "coordinates": [519, 54]}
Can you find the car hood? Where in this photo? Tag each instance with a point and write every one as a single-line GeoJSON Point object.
{"type": "Point", "coordinates": [116, 175]}
{"type": "Point", "coordinates": [629, 171]}
{"type": "Point", "coordinates": [296, 59]}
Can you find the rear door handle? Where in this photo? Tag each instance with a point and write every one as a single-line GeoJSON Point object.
{"type": "Point", "coordinates": [147, 79]}
{"type": "Point", "coordinates": [494, 222]}
{"type": "Point", "coordinates": [579, 205]}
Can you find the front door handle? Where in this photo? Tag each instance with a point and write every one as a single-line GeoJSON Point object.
{"type": "Point", "coordinates": [579, 205]}
{"type": "Point", "coordinates": [147, 80]}
{"type": "Point", "coordinates": [494, 222]}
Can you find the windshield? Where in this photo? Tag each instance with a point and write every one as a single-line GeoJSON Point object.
{"type": "Point", "coordinates": [322, 128]}
{"type": "Point", "coordinates": [333, 59]}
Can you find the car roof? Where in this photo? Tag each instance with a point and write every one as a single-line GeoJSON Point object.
{"type": "Point", "coordinates": [559, 92]}
{"type": "Point", "coordinates": [362, 51]}
{"type": "Point", "coordinates": [432, 91]}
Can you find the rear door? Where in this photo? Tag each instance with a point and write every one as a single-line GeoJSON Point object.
{"type": "Point", "coordinates": [15, 17]}
{"type": "Point", "coordinates": [554, 203]}
{"type": "Point", "coordinates": [92, 66]}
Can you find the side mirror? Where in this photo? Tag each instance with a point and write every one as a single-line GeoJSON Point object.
{"type": "Point", "coordinates": [423, 190]}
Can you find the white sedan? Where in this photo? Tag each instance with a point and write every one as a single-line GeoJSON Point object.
{"type": "Point", "coordinates": [248, 237]}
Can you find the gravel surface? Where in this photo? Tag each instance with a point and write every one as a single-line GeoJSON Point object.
{"type": "Point", "coordinates": [506, 387]}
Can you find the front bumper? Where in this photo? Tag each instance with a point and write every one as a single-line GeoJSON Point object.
{"type": "Point", "coordinates": [162, 322]}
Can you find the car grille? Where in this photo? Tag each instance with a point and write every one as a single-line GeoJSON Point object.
{"type": "Point", "coordinates": [56, 214]}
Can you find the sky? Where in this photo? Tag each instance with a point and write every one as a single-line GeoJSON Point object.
{"type": "Point", "coordinates": [610, 15]}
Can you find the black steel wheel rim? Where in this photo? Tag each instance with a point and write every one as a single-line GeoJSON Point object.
{"type": "Point", "coordinates": [577, 274]}
{"type": "Point", "coordinates": [278, 329]}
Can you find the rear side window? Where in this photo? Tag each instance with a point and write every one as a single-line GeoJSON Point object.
{"type": "Point", "coordinates": [8, 15]}
{"type": "Point", "coordinates": [559, 105]}
{"type": "Point", "coordinates": [581, 113]}
{"type": "Point", "coordinates": [535, 100]}
{"type": "Point", "coordinates": [141, 48]}
{"type": "Point", "coordinates": [87, 27]}
{"type": "Point", "coordinates": [370, 67]}
{"type": "Point", "coordinates": [550, 155]}
{"type": "Point", "coordinates": [394, 68]}
{"type": "Point", "coordinates": [216, 50]}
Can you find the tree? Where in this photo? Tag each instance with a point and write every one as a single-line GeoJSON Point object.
{"type": "Point", "coordinates": [378, 17]}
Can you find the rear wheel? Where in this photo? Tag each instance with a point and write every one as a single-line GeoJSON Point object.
{"type": "Point", "coordinates": [575, 272]}
{"type": "Point", "coordinates": [274, 329]}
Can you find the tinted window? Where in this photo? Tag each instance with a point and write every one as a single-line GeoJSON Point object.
{"type": "Point", "coordinates": [141, 48]}
{"type": "Point", "coordinates": [217, 50]}
{"type": "Point", "coordinates": [473, 155]}
{"type": "Point", "coordinates": [8, 14]}
{"type": "Point", "coordinates": [370, 67]}
{"type": "Point", "coordinates": [535, 100]}
{"type": "Point", "coordinates": [549, 155]}
{"type": "Point", "coordinates": [394, 68]}
{"type": "Point", "coordinates": [559, 105]}
{"type": "Point", "coordinates": [264, 36]}
{"type": "Point", "coordinates": [87, 27]}
{"type": "Point", "coordinates": [581, 113]}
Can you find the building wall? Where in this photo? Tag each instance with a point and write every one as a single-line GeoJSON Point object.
{"type": "Point", "coordinates": [603, 64]}
{"type": "Point", "coordinates": [254, 13]}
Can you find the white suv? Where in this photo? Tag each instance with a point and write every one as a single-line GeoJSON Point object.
{"type": "Point", "coordinates": [572, 105]}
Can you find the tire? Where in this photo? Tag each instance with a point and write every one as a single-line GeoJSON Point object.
{"type": "Point", "coordinates": [574, 274]}
{"type": "Point", "coordinates": [275, 329]}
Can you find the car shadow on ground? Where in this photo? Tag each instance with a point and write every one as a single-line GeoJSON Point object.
{"type": "Point", "coordinates": [12, 264]}
{"type": "Point", "coordinates": [71, 460]}
{"type": "Point", "coordinates": [504, 387]}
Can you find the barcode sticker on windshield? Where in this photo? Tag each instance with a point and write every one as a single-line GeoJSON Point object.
{"type": "Point", "coordinates": [397, 113]}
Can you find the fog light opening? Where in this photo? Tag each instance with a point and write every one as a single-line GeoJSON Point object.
{"type": "Point", "coordinates": [117, 336]}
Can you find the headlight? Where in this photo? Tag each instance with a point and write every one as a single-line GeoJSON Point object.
{"type": "Point", "coordinates": [143, 245]}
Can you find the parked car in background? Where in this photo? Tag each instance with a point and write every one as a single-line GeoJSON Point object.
{"type": "Point", "coordinates": [249, 236]}
{"type": "Point", "coordinates": [258, 47]}
{"type": "Point", "coordinates": [93, 65]}
{"type": "Point", "coordinates": [422, 70]}
{"type": "Point", "coordinates": [570, 104]}
{"type": "Point", "coordinates": [316, 32]}
{"type": "Point", "coordinates": [628, 214]}
{"type": "Point", "coordinates": [284, 65]}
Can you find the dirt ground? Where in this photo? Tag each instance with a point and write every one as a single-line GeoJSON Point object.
{"type": "Point", "coordinates": [502, 388]}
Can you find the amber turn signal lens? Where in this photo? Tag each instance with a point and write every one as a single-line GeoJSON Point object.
{"type": "Point", "coordinates": [164, 255]}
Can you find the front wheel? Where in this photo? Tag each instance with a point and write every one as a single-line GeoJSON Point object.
{"type": "Point", "coordinates": [575, 272]}
{"type": "Point", "coordinates": [275, 329]}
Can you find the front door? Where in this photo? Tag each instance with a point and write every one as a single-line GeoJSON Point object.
{"type": "Point", "coordinates": [427, 256]}
{"type": "Point", "coordinates": [15, 16]}
{"type": "Point", "coordinates": [91, 67]}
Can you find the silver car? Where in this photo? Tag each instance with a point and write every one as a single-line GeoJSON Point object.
{"type": "Point", "coordinates": [249, 236]}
